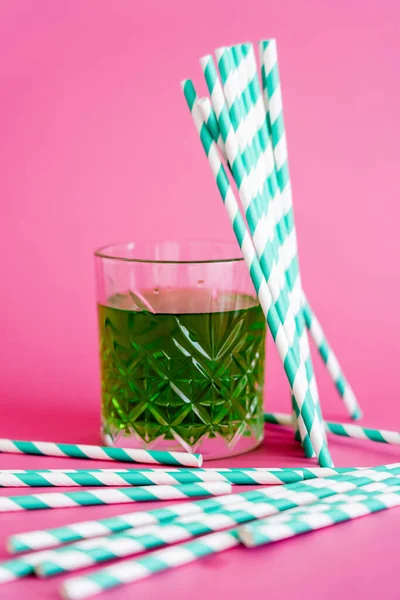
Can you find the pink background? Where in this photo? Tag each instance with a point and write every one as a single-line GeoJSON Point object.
{"type": "Point", "coordinates": [97, 146]}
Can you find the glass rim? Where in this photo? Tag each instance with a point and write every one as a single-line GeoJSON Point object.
{"type": "Point", "coordinates": [105, 252]}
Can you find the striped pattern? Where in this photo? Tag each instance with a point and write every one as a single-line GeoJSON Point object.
{"type": "Point", "coordinates": [372, 481]}
{"type": "Point", "coordinates": [343, 429]}
{"type": "Point", "coordinates": [325, 350]}
{"type": "Point", "coordinates": [102, 453]}
{"type": "Point", "coordinates": [114, 496]}
{"type": "Point", "coordinates": [238, 476]}
{"type": "Point", "coordinates": [275, 121]}
{"type": "Point", "coordinates": [286, 249]}
{"type": "Point", "coordinates": [50, 538]}
{"type": "Point", "coordinates": [331, 362]}
{"type": "Point", "coordinates": [91, 552]}
{"type": "Point", "coordinates": [20, 567]}
{"type": "Point", "coordinates": [78, 588]}
{"type": "Point", "coordinates": [237, 123]}
{"type": "Point", "coordinates": [297, 379]}
{"type": "Point", "coordinates": [311, 518]}
{"type": "Point", "coordinates": [274, 528]}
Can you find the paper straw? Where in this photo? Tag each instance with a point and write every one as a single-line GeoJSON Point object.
{"type": "Point", "coordinates": [286, 249]}
{"type": "Point", "coordinates": [371, 481]}
{"type": "Point", "coordinates": [236, 147]}
{"type": "Point", "coordinates": [102, 453]}
{"type": "Point", "coordinates": [92, 552]}
{"type": "Point", "coordinates": [257, 200]}
{"type": "Point", "coordinates": [275, 120]}
{"type": "Point", "coordinates": [343, 429]}
{"type": "Point", "coordinates": [298, 384]}
{"type": "Point", "coordinates": [114, 496]}
{"type": "Point", "coordinates": [324, 348]}
{"type": "Point", "coordinates": [129, 571]}
{"type": "Point", "coordinates": [331, 362]}
{"type": "Point", "coordinates": [312, 518]}
{"type": "Point", "coordinates": [20, 567]}
{"type": "Point", "coordinates": [238, 476]}
{"type": "Point", "coordinates": [50, 538]}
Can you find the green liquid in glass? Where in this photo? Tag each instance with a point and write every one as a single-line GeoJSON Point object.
{"type": "Point", "coordinates": [182, 365]}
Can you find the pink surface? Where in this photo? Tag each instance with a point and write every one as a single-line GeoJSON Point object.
{"type": "Point", "coordinates": [97, 146]}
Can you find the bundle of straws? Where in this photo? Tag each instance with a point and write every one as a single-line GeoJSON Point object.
{"type": "Point", "coordinates": [243, 135]}
{"type": "Point", "coordinates": [314, 499]}
{"type": "Point", "coordinates": [242, 132]}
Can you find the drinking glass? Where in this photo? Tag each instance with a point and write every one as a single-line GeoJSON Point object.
{"type": "Point", "coordinates": [182, 348]}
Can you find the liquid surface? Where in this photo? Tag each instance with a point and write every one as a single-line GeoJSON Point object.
{"type": "Point", "coordinates": [182, 365]}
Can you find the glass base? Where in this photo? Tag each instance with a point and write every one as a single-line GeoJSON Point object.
{"type": "Point", "coordinates": [209, 448]}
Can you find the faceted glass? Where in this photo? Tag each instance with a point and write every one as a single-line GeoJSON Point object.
{"type": "Point", "coordinates": [182, 348]}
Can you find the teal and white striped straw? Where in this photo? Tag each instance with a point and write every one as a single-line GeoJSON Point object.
{"type": "Point", "coordinates": [316, 516]}
{"type": "Point", "coordinates": [278, 527]}
{"type": "Point", "coordinates": [342, 429]}
{"type": "Point", "coordinates": [244, 68]}
{"type": "Point", "coordinates": [112, 496]}
{"type": "Point", "coordinates": [275, 120]}
{"type": "Point", "coordinates": [325, 350]}
{"type": "Point", "coordinates": [296, 378]}
{"type": "Point", "coordinates": [128, 571]}
{"type": "Point", "coordinates": [102, 453]}
{"type": "Point", "coordinates": [91, 552]}
{"type": "Point", "coordinates": [134, 477]}
{"type": "Point", "coordinates": [146, 478]}
{"type": "Point", "coordinates": [257, 200]}
{"type": "Point", "coordinates": [51, 538]}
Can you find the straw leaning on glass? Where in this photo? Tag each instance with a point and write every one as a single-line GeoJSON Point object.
{"type": "Point", "coordinates": [252, 182]}
{"type": "Point", "coordinates": [285, 224]}
{"type": "Point", "coordinates": [275, 120]}
{"type": "Point", "coordinates": [290, 360]}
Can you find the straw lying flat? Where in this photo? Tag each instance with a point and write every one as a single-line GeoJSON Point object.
{"type": "Point", "coordinates": [50, 538]}
{"type": "Point", "coordinates": [279, 527]}
{"type": "Point", "coordinates": [111, 496]}
{"type": "Point", "coordinates": [130, 542]}
{"type": "Point", "coordinates": [101, 453]}
{"type": "Point", "coordinates": [343, 429]}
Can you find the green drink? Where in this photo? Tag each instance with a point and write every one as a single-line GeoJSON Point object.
{"type": "Point", "coordinates": [182, 368]}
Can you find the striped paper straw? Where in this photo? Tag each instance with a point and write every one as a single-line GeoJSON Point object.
{"type": "Point", "coordinates": [343, 429]}
{"type": "Point", "coordinates": [274, 107]}
{"type": "Point", "coordinates": [129, 571]}
{"type": "Point", "coordinates": [246, 70]}
{"type": "Point", "coordinates": [372, 481]}
{"type": "Point", "coordinates": [20, 567]}
{"type": "Point", "coordinates": [115, 496]}
{"type": "Point", "coordinates": [91, 552]}
{"type": "Point", "coordinates": [311, 518]}
{"type": "Point", "coordinates": [296, 378]}
{"type": "Point", "coordinates": [50, 538]}
{"type": "Point", "coordinates": [331, 362]}
{"type": "Point", "coordinates": [230, 119]}
{"type": "Point", "coordinates": [325, 350]}
{"type": "Point", "coordinates": [102, 453]}
{"type": "Point", "coordinates": [238, 476]}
